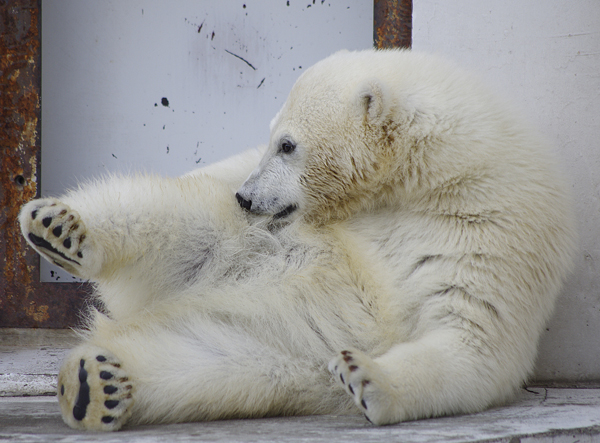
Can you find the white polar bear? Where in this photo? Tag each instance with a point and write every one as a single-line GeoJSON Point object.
{"type": "Point", "coordinates": [457, 203]}
{"type": "Point", "coordinates": [406, 221]}
{"type": "Point", "coordinates": [208, 316]}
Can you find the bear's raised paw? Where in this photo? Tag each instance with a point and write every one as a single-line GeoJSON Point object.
{"type": "Point", "coordinates": [94, 392]}
{"type": "Point", "coordinates": [368, 385]}
{"type": "Point", "coordinates": [56, 232]}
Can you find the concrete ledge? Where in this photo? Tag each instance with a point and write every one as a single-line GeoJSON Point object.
{"type": "Point", "coordinates": [30, 360]}
{"type": "Point", "coordinates": [550, 415]}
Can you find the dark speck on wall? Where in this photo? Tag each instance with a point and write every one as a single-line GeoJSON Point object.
{"type": "Point", "coordinates": [241, 58]}
{"type": "Point", "coordinates": [164, 101]}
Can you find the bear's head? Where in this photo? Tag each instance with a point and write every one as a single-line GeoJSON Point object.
{"type": "Point", "coordinates": [332, 149]}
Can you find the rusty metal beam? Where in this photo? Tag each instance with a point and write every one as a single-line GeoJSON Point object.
{"type": "Point", "coordinates": [25, 302]}
{"type": "Point", "coordinates": [392, 27]}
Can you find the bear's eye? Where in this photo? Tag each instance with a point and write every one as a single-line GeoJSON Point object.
{"type": "Point", "coordinates": [287, 147]}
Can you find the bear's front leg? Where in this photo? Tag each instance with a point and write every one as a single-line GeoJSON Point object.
{"type": "Point", "coordinates": [368, 385]}
{"type": "Point", "coordinates": [58, 234]}
{"type": "Point", "coordinates": [94, 391]}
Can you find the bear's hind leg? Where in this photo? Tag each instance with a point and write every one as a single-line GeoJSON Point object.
{"type": "Point", "coordinates": [94, 392]}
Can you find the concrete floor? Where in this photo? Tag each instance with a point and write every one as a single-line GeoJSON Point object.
{"type": "Point", "coordinates": [550, 415]}
{"type": "Point", "coordinates": [29, 412]}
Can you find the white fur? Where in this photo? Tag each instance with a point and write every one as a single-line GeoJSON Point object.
{"type": "Point", "coordinates": [430, 239]}
{"type": "Point", "coordinates": [459, 204]}
{"type": "Point", "coordinates": [209, 315]}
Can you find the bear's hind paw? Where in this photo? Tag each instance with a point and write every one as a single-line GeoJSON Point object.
{"type": "Point", "coordinates": [55, 231]}
{"type": "Point", "coordinates": [94, 392]}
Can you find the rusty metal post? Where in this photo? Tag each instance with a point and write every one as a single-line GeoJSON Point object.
{"type": "Point", "coordinates": [24, 300]}
{"type": "Point", "coordinates": [392, 27]}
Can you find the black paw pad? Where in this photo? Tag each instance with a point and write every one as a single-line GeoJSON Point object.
{"type": "Point", "coordinates": [111, 404]}
{"type": "Point", "coordinates": [83, 398]}
{"type": "Point", "coordinates": [342, 379]}
{"type": "Point", "coordinates": [57, 231]}
{"type": "Point", "coordinates": [62, 389]}
{"type": "Point", "coordinates": [39, 241]}
{"type": "Point", "coordinates": [368, 419]}
{"type": "Point", "coordinates": [34, 214]}
{"type": "Point", "coordinates": [364, 403]}
{"type": "Point", "coordinates": [47, 221]}
{"type": "Point", "coordinates": [107, 419]}
{"type": "Point", "coordinates": [67, 243]}
{"type": "Point", "coordinates": [105, 375]}
{"type": "Point", "coordinates": [109, 389]}
{"type": "Point", "coordinates": [79, 254]}
{"type": "Point", "coordinates": [350, 389]}
{"type": "Point", "coordinates": [101, 358]}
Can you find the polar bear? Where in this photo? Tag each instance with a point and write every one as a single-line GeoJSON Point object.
{"type": "Point", "coordinates": [395, 251]}
{"type": "Point", "coordinates": [209, 313]}
{"type": "Point", "coordinates": [454, 199]}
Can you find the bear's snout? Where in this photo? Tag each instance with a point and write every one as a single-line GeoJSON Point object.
{"type": "Point", "coordinates": [245, 204]}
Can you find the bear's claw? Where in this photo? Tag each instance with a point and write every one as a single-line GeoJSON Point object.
{"type": "Point", "coordinates": [370, 388]}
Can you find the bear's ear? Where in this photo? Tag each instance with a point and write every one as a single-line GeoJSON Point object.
{"type": "Point", "coordinates": [374, 101]}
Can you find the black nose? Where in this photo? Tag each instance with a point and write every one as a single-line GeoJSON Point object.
{"type": "Point", "coordinates": [246, 204]}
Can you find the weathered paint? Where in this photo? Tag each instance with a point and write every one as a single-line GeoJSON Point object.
{"type": "Point", "coordinates": [24, 301]}
{"type": "Point", "coordinates": [392, 27]}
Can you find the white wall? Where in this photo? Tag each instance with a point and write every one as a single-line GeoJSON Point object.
{"type": "Point", "coordinates": [545, 55]}
{"type": "Point", "coordinates": [106, 65]}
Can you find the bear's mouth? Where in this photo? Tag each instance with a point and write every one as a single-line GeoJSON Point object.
{"type": "Point", "coordinates": [287, 211]}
